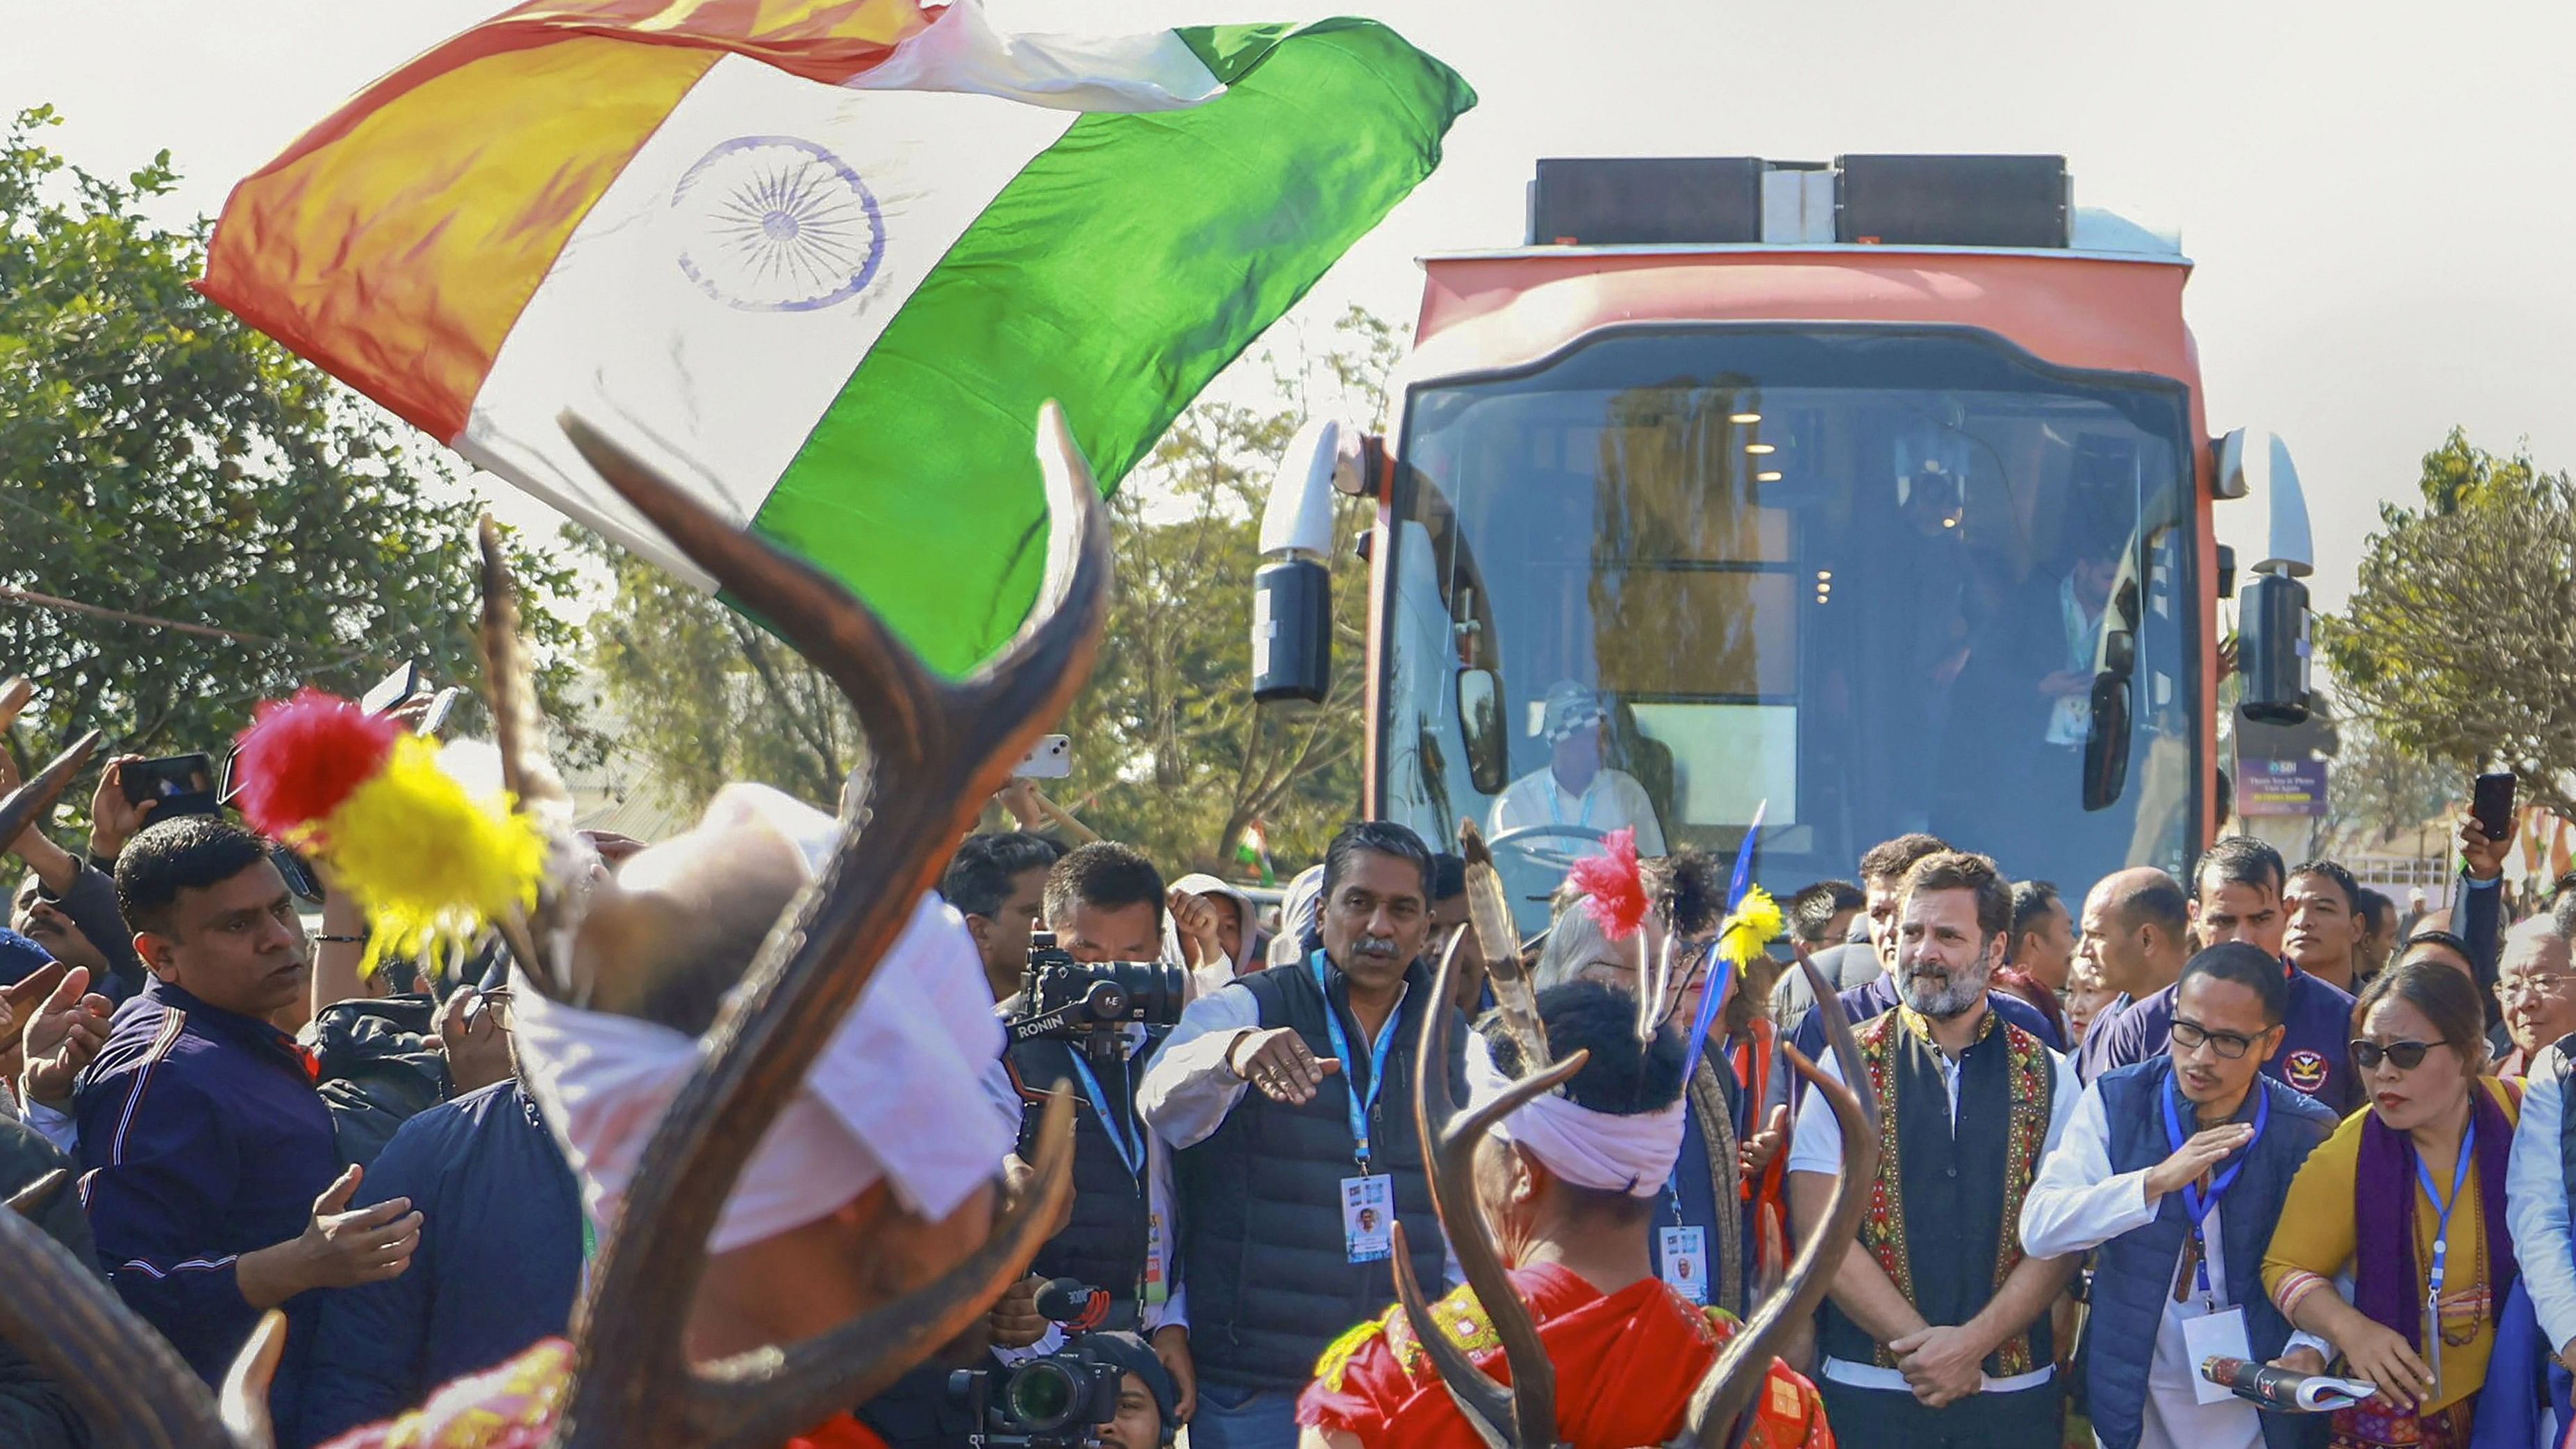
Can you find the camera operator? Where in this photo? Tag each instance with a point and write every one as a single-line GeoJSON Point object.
{"type": "Point", "coordinates": [1148, 1401]}
{"type": "Point", "coordinates": [1104, 903]}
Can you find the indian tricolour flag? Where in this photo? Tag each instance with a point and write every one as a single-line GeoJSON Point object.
{"type": "Point", "coordinates": [823, 259]}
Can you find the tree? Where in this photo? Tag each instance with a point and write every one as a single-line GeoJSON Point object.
{"type": "Point", "coordinates": [162, 464]}
{"type": "Point", "coordinates": [2376, 792]}
{"type": "Point", "coordinates": [707, 697]}
{"type": "Point", "coordinates": [1171, 755]}
{"type": "Point", "coordinates": [2458, 643]}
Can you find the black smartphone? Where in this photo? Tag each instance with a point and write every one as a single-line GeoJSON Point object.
{"type": "Point", "coordinates": [184, 784]}
{"type": "Point", "coordinates": [392, 690]}
{"type": "Point", "coordinates": [2491, 801]}
{"type": "Point", "coordinates": [298, 876]}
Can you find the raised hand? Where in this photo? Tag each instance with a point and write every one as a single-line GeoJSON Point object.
{"type": "Point", "coordinates": [113, 819]}
{"type": "Point", "coordinates": [63, 1038]}
{"type": "Point", "coordinates": [1195, 918]}
{"type": "Point", "coordinates": [2189, 1162]}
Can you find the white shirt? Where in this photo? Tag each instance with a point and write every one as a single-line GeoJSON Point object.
{"type": "Point", "coordinates": [1613, 799]}
{"type": "Point", "coordinates": [2076, 1205]}
{"type": "Point", "coordinates": [2535, 1202]}
{"type": "Point", "coordinates": [1818, 1147]}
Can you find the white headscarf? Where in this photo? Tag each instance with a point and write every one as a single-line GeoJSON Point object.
{"type": "Point", "coordinates": [1607, 1153]}
{"type": "Point", "coordinates": [897, 1096]}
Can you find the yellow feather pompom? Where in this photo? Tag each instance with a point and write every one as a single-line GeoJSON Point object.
{"type": "Point", "coordinates": [1749, 927]}
{"type": "Point", "coordinates": [427, 862]}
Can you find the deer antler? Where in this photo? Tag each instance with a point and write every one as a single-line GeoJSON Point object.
{"type": "Point", "coordinates": [1730, 1384]}
{"type": "Point", "coordinates": [937, 750]}
{"type": "Point", "coordinates": [1522, 1416]}
{"type": "Point", "coordinates": [130, 1386]}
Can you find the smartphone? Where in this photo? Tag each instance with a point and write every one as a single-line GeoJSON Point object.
{"type": "Point", "coordinates": [392, 690]}
{"type": "Point", "coordinates": [434, 719]}
{"type": "Point", "coordinates": [184, 784]}
{"type": "Point", "coordinates": [1051, 758]}
{"type": "Point", "coordinates": [2492, 803]}
{"type": "Point", "coordinates": [299, 877]}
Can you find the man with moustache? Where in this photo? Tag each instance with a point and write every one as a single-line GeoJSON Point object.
{"type": "Point", "coordinates": [208, 1163]}
{"type": "Point", "coordinates": [2236, 896]}
{"type": "Point", "coordinates": [1286, 1096]}
{"type": "Point", "coordinates": [2175, 1169]}
{"type": "Point", "coordinates": [1936, 1330]}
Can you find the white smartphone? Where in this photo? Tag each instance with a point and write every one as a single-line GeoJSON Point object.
{"type": "Point", "coordinates": [1051, 758]}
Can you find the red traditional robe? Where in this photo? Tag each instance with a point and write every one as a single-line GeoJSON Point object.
{"type": "Point", "coordinates": [513, 1406]}
{"type": "Point", "coordinates": [1626, 1365]}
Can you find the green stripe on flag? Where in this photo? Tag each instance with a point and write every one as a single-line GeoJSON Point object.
{"type": "Point", "coordinates": [1117, 273]}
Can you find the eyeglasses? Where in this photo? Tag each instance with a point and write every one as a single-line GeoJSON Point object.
{"type": "Point", "coordinates": [2188, 1035]}
{"type": "Point", "coordinates": [499, 1003]}
{"type": "Point", "coordinates": [2406, 1056]}
{"type": "Point", "coordinates": [2512, 986]}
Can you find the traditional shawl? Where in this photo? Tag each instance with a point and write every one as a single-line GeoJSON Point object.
{"type": "Point", "coordinates": [513, 1405]}
{"type": "Point", "coordinates": [1626, 1365]}
{"type": "Point", "coordinates": [2386, 1284]}
{"type": "Point", "coordinates": [1713, 1115]}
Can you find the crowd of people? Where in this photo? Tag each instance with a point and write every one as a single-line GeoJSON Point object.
{"type": "Point", "coordinates": [2252, 1114]}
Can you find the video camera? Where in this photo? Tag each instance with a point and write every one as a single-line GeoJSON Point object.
{"type": "Point", "coordinates": [1055, 1401]}
{"type": "Point", "coordinates": [1062, 999]}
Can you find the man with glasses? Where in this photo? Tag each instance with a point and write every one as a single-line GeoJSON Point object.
{"type": "Point", "coordinates": [502, 1247]}
{"type": "Point", "coordinates": [2176, 1168]}
{"type": "Point", "coordinates": [2537, 989]}
{"type": "Point", "coordinates": [2537, 986]}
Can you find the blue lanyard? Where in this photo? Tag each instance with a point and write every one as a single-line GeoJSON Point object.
{"type": "Point", "coordinates": [1131, 1151]}
{"type": "Point", "coordinates": [2196, 1203]}
{"type": "Point", "coordinates": [1556, 802]}
{"type": "Point", "coordinates": [2442, 1210]}
{"type": "Point", "coordinates": [1361, 1110]}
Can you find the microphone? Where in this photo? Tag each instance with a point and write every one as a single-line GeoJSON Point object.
{"type": "Point", "coordinates": [1071, 1302]}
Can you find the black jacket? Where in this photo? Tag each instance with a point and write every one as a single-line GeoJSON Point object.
{"type": "Point", "coordinates": [35, 1413]}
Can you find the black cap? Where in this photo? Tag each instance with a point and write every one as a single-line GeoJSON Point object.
{"type": "Point", "coordinates": [1131, 1354]}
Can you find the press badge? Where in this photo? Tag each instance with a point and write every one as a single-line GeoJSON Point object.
{"type": "Point", "coordinates": [1157, 1291]}
{"type": "Point", "coordinates": [1368, 1217]}
{"type": "Point", "coordinates": [1685, 1254]}
{"type": "Point", "coordinates": [2216, 1335]}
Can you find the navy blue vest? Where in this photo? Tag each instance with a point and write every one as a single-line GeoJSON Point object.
{"type": "Point", "coordinates": [1105, 1243]}
{"type": "Point", "coordinates": [2133, 1274]}
{"type": "Point", "coordinates": [1269, 1276]}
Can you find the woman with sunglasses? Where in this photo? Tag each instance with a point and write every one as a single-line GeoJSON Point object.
{"type": "Point", "coordinates": [2408, 1198]}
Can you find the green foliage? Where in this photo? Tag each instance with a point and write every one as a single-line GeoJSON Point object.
{"type": "Point", "coordinates": [160, 458]}
{"type": "Point", "coordinates": [2458, 644]}
{"type": "Point", "coordinates": [707, 697]}
{"type": "Point", "coordinates": [1170, 753]}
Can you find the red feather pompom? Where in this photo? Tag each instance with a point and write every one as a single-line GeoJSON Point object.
{"type": "Point", "coordinates": [301, 757]}
{"type": "Point", "coordinates": [1614, 894]}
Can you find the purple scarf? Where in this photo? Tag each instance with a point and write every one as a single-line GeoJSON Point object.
{"type": "Point", "coordinates": [2385, 1284]}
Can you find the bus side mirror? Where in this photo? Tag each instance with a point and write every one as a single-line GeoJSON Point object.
{"type": "Point", "coordinates": [2272, 650]}
{"type": "Point", "coordinates": [2106, 749]}
{"type": "Point", "coordinates": [1292, 592]}
{"type": "Point", "coordinates": [1480, 724]}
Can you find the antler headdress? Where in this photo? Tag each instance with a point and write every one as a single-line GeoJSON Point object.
{"type": "Point", "coordinates": [938, 749]}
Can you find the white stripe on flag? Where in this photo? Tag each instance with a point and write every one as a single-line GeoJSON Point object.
{"type": "Point", "coordinates": [711, 305]}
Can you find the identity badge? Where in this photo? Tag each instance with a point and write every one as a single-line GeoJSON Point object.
{"type": "Point", "coordinates": [1158, 1291]}
{"type": "Point", "coordinates": [1685, 1252]}
{"type": "Point", "coordinates": [1368, 1217]}
{"type": "Point", "coordinates": [2218, 1335]}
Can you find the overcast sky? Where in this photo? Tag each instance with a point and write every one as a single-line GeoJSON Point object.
{"type": "Point", "coordinates": [2379, 197]}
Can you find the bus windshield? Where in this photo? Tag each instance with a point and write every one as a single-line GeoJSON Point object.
{"type": "Point", "coordinates": [1854, 581]}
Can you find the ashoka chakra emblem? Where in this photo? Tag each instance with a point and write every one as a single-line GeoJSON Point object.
{"type": "Point", "coordinates": [777, 224]}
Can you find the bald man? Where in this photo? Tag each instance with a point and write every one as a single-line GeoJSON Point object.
{"type": "Point", "coordinates": [2134, 935]}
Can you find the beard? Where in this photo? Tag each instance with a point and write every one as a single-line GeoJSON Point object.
{"type": "Point", "coordinates": [1940, 994]}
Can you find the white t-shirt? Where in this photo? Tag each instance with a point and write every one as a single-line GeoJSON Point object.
{"type": "Point", "coordinates": [1613, 799]}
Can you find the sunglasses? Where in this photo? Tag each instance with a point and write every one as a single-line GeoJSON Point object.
{"type": "Point", "coordinates": [2406, 1055]}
